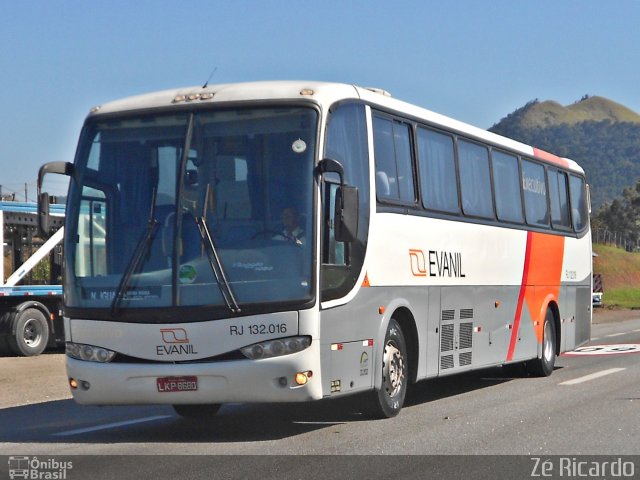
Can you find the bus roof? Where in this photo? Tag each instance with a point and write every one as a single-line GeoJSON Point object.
{"type": "Point", "coordinates": [324, 94]}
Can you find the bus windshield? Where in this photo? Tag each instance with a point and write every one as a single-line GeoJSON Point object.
{"type": "Point", "coordinates": [196, 209]}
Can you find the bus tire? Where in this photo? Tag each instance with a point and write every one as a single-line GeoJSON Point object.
{"type": "Point", "coordinates": [543, 366]}
{"type": "Point", "coordinates": [197, 411]}
{"type": "Point", "coordinates": [31, 333]}
{"type": "Point", "coordinates": [388, 401]}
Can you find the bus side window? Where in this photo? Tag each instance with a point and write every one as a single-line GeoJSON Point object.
{"type": "Point", "coordinates": [507, 187]}
{"type": "Point", "coordinates": [346, 143]}
{"type": "Point", "coordinates": [560, 216]}
{"type": "Point", "coordinates": [579, 206]}
{"type": "Point", "coordinates": [475, 180]}
{"type": "Point", "coordinates": [535, 194]}
{"type": "Point", "coordinates": [437, 171]}
{"type": "Point", "coordinates": [394, 171]}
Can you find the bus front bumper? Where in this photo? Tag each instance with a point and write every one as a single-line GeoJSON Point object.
{"type": "Point", "coordinates": [266, 380]}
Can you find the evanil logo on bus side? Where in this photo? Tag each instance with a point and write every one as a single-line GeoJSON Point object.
{"type": "Point", "coordinates": [436, 263]}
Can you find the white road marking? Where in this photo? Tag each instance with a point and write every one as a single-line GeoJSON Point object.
{"type": "Point", "coordinates": [612, 349]}
{"type": "Point", "coordinates": [592, 376]}
{"type": "Point", "coordinates": [616, 334]}
{"type": "Point", "coordinates": [107, 426]}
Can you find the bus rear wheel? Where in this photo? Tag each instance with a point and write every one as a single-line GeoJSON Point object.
{"type": "Point", "coordinates": [197, 411]}
{"type": "Point", "coordinates": [543, 366]}
{"type": "Point", "coordinates": [387, 402]}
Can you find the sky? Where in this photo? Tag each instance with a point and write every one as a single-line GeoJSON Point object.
{"type": "Point", "coordinates": [473, 60]}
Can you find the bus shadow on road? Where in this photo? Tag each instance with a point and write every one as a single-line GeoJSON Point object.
{"type": "Point", "coordinates": [63, 421]}
{"type": "Point", "coordinates": [450, 386]}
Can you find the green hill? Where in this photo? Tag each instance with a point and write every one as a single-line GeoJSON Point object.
{"type": "Point", "coordinates": [601, 135]}
{"type": "Point", "coordinates": [620, 275]}
{"type": "Point", "coordinates": [589, 109]}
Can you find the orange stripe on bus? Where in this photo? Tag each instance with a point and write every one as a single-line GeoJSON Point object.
{"type": "Point", "coordinates": [550, 157]}
{"type": "Point", "coordinates": [523, 287]}
{"type": "Point", "coordinates": [543, 283]}
{"type": "Point", "coordinates": [541, 275]}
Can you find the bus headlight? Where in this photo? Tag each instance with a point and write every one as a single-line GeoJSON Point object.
{"type": "Point", "coordinates": [276, 348]}
{"type": "Point", "coordinates": [89, 353]}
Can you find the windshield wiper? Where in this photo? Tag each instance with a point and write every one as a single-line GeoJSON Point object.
{"type": "Point", "coordinates": [136, 260]}
{"type": "Point", "coordinates": [216, 265]}
{"type": "Point", "coordinates": [214, 258]}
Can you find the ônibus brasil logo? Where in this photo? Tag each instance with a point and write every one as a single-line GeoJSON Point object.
{"type": "Point", "coordinates": [38, 469]}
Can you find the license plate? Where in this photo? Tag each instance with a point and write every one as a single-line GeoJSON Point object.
{"type": "Point", "coordinates": [177, 384]}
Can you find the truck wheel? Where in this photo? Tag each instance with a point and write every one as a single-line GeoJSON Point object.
{"type": "Point", "coordinates": [31, 333]}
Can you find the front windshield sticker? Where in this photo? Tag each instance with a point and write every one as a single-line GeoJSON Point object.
{"type": "Point", "coordinates": [299, 146]}
{"type": "Point", "coordinates": [255, 266]}
{"type": "Point", "coordinates": [138, 293]}
{"type": "Point", "coordinates": [187, 274]}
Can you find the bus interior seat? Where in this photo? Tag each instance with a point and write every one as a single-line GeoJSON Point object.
{"type": "Point", "coordinates": [233, 200]}
{"type": "Point", "coordinates": [162, 248]}
{"type": "Point", "coordinates": [233, 233]}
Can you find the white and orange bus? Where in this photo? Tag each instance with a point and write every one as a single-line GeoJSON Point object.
{"type": "Point", "coordinates": [294, 241]}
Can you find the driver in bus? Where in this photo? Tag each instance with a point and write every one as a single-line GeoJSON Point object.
{"type": "Point", "coordinates": [291, 232]}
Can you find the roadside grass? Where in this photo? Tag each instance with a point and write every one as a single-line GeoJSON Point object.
{"type": "Point", "coordinates": [622, 298]}
{"type": "Point", "coordinates": [620, 272]}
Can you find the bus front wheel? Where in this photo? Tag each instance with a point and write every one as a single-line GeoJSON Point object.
{"type": "Point", "coordinates": [387, 402]}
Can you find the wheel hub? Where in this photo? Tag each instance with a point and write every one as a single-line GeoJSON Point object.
{"type": "Point", "coordinates": [547, 352]}
{"type": "Point", "coordinates": [32, 334]}
{"type": "Point", "coordinates": [393, 370]}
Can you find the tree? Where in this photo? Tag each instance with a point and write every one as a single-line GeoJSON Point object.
{"type": "Point", "coordinates": [622, 215]}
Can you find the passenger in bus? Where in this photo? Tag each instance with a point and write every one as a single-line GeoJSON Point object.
{"type": "Point", "coordinates": [291, 231]}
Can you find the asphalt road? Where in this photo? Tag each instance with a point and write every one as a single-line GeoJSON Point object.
{"type": "Point", "coordinates": [589, 406]}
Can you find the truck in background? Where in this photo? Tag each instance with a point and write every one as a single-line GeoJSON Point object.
{"type": "Point", "coordinates": [30, 275]}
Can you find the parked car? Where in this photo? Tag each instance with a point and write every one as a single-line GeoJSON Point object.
{"type": "Point", "coordinates": [597, 299]}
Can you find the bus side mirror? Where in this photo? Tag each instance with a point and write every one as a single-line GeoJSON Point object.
{"type": "Point", "coordinates": [61, 168]}
{"type": "Point", "coordinates": [329, 165]}
{"type": "Point", "coordinates": [346, 206]}
{"type": "Point", "coordinates": [346, 214]}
